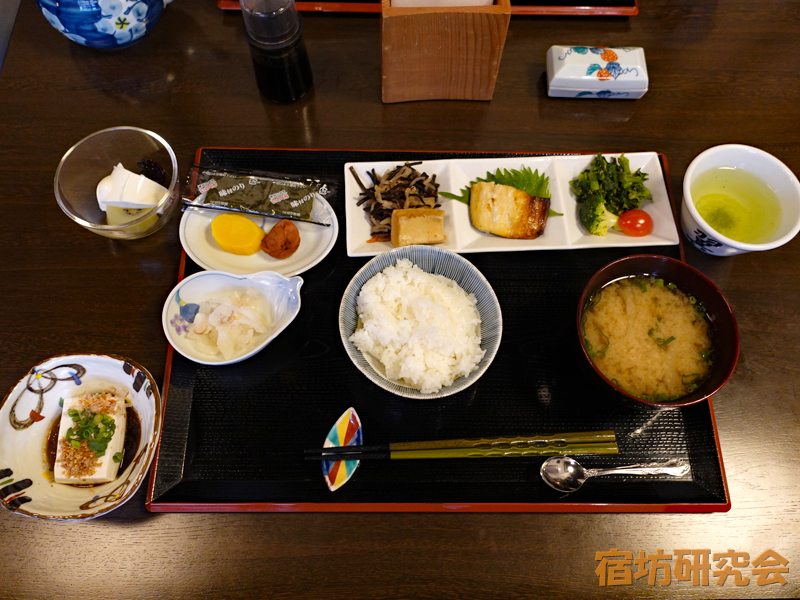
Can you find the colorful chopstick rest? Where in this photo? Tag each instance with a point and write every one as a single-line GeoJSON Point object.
{"type": "Point", "coordinates": [345, 432]}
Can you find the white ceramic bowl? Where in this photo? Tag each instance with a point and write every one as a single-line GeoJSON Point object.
{"type": "Point", "coordinates": [777, 176]}
{"type": "Point", "coordinates": [33, 407]}
{"type": "Point", "coordinates": [431, 260]}
{"type": "Point", "coordinates": [281, 293]}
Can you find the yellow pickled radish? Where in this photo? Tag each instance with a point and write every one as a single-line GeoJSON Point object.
{"type": "Point", "coordinates": [237, 234]}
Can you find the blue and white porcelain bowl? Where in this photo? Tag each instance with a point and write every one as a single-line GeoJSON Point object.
{"type": "Point", "coordinates": [105, 24]}
{"type": "Point", "coordinates": [32, 409]}
{"type": "Point", "coordinates": [281, 293]}
{"type": "Point", "coordinates": [440, 262]}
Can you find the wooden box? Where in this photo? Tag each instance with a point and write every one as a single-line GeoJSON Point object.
{"type": "Point", "coordinates": [442, 53]}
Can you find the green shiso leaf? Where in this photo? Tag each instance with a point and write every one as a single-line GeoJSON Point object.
{"type": "Point", "coordinates": [525, 180]}
{"type": "Point", "coordinates": [464, 197]}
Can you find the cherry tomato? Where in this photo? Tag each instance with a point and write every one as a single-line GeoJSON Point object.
{"type": "Point", "coordinates": [636, 223]}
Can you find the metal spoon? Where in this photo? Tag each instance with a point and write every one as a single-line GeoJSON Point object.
{"type": "Point", "coordinates": [565, 474]}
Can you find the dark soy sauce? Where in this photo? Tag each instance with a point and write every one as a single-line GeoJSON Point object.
{"type": "Point", "coordinates": [282, 76]}
{"type": "Point", "coordinates": [283, 72]}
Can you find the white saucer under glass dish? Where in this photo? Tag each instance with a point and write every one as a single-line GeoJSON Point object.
{"type": "Point", "coordinates": [316, 241]}
{"type": "Point", "coordinates": [561, 233]}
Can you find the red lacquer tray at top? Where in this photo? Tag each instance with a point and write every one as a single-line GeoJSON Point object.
{"type": "Point", "coordinates": [623, 8]}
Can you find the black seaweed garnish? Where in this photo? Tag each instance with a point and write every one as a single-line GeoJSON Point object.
{"type": "Point", "coordinates": [152, 170]}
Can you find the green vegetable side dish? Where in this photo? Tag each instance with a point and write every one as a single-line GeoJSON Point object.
{"type": "Point", "coordinates": [594, 215]}
{"type": "Point", "coordinates": [525, 180]}
{"type": "Point", "coordinates": [607, 189]}
{"type": "Point", "coordinates": [96, 429]}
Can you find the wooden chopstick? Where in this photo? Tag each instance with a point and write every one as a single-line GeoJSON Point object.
{"type": "Point", "coordinates": [552, 450]}
{"type": "Point", "coordinates": [530, 441]}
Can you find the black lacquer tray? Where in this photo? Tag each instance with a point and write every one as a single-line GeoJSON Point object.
{"type": "Point", "coordinates": [234, 436]}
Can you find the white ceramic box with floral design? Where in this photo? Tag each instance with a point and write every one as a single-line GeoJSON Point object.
{"type": "Point", "coordinates": [606, 72]}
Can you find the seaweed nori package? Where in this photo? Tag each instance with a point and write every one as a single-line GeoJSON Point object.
{"type": "Point", "coordinates": [260, 192]}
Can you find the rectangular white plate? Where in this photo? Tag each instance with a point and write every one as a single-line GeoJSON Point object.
{"type": "Point", "coordinates": [561, 233]}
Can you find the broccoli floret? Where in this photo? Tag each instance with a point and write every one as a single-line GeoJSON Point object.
{"type": "Point", "coordinates": [594, 215]}
{"type": "Point", "coordinates": [607, 189]}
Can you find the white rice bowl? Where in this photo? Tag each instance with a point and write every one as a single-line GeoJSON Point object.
{"type": "Point", "coordinates": [423, 328]}
{"type": "Point", "coordinates": [421, 322]}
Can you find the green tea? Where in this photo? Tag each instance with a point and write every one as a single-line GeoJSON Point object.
{"type": "Point", "coordinates": [737, 204]}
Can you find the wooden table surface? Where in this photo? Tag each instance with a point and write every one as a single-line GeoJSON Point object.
{"type": "Point", "coordinates": [721, 71]}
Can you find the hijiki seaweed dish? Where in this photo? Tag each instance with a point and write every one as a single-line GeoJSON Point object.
{"type": "Point", "coordinates": [400, 188]}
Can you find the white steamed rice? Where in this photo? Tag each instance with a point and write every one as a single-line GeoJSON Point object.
{"type": "Point", "coordinates": [423, 328]}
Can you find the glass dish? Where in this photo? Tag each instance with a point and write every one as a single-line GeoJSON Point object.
{"type": "Point", "coordinates": [93, 158]}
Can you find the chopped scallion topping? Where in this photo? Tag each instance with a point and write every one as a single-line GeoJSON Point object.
{"type": "Point", "coordinates": [662, 342]}
{"type": "Point", "coordinates": [96, 429]}
{"type": "Point", "coordinates": [602, 351]}
{"type": "Point", "coordinates": [691, 380]}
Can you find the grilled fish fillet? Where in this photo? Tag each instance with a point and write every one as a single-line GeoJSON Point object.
{"type": "Point", "coordinates": [507, 211]}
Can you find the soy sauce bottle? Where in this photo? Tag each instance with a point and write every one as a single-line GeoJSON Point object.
{"type": "Point", "coordinates": [274, 31]}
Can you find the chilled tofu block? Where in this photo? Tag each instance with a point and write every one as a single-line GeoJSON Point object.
{"type": "Point", "coordinates": [112, 186]}
{"type": "Point", "coordinates": [125, 189]}
{"type": "Point", "coordinates": [91, 433]}
{"type": "Point", "coordinates": [140, 192]}
{"type": "Point", "coordinates": [417, 226]}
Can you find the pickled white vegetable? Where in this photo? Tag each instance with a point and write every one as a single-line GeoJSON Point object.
{"type": "Point", "coordinates": [231, 324]}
